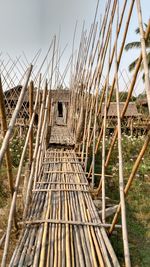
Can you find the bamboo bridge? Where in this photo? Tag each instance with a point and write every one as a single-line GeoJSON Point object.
{"type": "Point", "coordinates": [63, 227]}
{"type": "Point", "coordinates": [65, 137]}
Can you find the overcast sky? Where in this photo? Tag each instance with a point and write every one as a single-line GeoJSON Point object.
{"type": "Point", "coordinates": [27, 25]}
{"type": "Point", "coordinates": [30, 24]}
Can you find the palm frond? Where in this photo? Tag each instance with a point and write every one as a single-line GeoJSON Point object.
{"type": "Point", "coordinates": [145, 24]}
{"type": "Point", "coordinates": [132, 45]}
{"type": "Point", "coordinates": [133, 64]}
{"type": "Point", "coordinates": [137, 44]}
{"type": "Point", "coordinates": [137, 30]}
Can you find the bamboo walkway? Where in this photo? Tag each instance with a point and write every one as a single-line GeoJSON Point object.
{"type": "Point", "coordinates": [60, 225]}
{"type": "Point", "coordinates": [63, 227]}
{"type": "Point", "coordinates": [60, 135]}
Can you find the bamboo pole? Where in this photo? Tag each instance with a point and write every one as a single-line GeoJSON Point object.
{"type": "Point", "coordinates": [14, 198]}
{"type": "Point", "coordinates": [91, 61]}
{"type": "Point", "coordinates": [31, 92]}
{"type": "Point", "coordinates": [144, 52]}
{"type": "Point", "coordinates": [69, 230]}
{"type": "Point", "coordinates": [7, 154]}
{"type": "Point", "coordinates": [4, 130]}
{"type": "Point", "coordinates": [34, 156]}
{"type": "Point", "coordinates": [121, 177]}
{"type": "Point", "coordinates": [113, 83]}
{"type": "Point", "coordinates": [39, 144]}
{"type": "Point", "coordinates": [39, 136]}
{"type": "Point", "coordinates": [102, 181]}
{"type": "Point", "coordinates": [131, 87]}
{"type": "Point", "coordinates": [130, 180]}
{"type": "Point", "coordinates": [94, 137]}
{"type": "Point", "coordinates": [88, 136]}
{"type": "Point", "coordinates": [14, 116]}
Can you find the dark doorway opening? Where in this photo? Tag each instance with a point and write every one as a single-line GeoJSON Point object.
{"type": "Point", "coordinates": [60, 109]}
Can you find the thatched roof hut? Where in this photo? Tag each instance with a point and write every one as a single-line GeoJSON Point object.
{"type": "Point", "coordinates": [130, 112]}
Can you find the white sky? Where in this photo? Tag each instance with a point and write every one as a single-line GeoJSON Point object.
{"type": "Point", "coordinates": [27, 25]}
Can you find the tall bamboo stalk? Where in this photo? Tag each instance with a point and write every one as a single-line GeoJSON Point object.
{"type": "Point", "coordinates": [130, 180]}
{"type": "Point", "coordinates": [121, 178]}
{"type": "Point", "coordinates": [31, 94]}
{"type": "Point", "coordinates": [130, 90]}
{"type": "Point", "coordinates": [7, 154]}
{"type": "Point", "coordinates": [113, 83]}
{"type": "Point", "coordinates": [102, 181]}
{"type": "Point", "coordinates": [144, 53]}
{"type": "Point", "coordinates": [4, 130]}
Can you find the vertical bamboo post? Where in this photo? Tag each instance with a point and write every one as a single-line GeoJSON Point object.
{"type": "Point", "coordinates": [51, 80]}
{"type": "Point", "coordinates": [4, 130]}
{"type": "Point", "coordinates": [94, 137]}
{"type": "Point", "coordinates": [113, 83]}
{"type": "Point", "coordinates": [137, 67]}
{"type": "Point", "coordinates": [31, 88]}
{"type": "Point", "coordinates": [121, 178]}
{"type": "Point", "coordinates": [7, 154]}
{"type": "Point", "coordinates": [144, 53]}
{"type": "Point", "coordinates": [131, 177]}
{"type": "Point", "coordinates": [102, 181]}
{"type": "Point", "coordinates": [17, 182]}
{"type": "Point", "coordinates": [88, 131]}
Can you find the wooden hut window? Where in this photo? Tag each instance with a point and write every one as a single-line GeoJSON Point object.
{"type": "Point", "coordinates": [60, 109]}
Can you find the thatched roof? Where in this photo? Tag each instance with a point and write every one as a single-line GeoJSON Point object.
{"type": "Point", "coordinates": [60, 95]}
{"type": "Point", "coordinates": [13, 94]}
{"type": "Point", "coordinates": [131, 110]}
{"type": "Point", "coordinates": [57, 95]}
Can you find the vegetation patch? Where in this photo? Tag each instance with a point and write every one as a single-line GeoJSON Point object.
{"type": "Point", "coordinates": [137, 202]}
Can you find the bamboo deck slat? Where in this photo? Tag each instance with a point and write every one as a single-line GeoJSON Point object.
{"type": "Point", "coordinates": [72, 223]}
{"type": "Point", "coordinates": [62, 225]}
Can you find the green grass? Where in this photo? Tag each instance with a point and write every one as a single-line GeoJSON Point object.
{"type": "Point", "coordinates": [16, 146]}
{"type": "Point", "coordinates": [3, 188]}
{"type": "Point", "coordinates": [137, 202]}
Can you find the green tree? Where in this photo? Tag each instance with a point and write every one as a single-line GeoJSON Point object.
{"type": "Point", "coordinates": [137, 44]}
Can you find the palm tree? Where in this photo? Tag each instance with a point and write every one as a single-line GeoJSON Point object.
{"type": "Point", "coordinates": [137, 44]}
